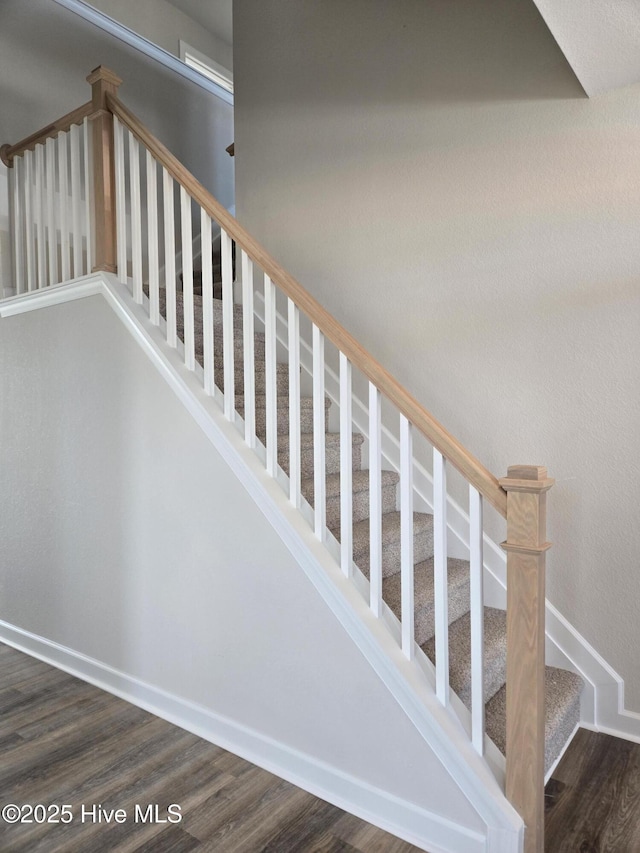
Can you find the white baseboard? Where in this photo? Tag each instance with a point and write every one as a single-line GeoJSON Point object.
{"type": "Point", "coordinates": [399, 817]}
{"type": "Point", "coordinates": [603, 698]}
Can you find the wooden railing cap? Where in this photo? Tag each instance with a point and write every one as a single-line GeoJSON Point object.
{"type": "Point", "coordinates": [104, 73]}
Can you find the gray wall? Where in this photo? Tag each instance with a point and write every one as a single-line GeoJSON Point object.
{"type": "Point", "coordinates": [164, 25]}
{"type": "Point", "coordinates": [125, 537]}
{"type": "Point", "coordinates": [46, 52]}
{"type": "Point", "coordinates": [433, 173]}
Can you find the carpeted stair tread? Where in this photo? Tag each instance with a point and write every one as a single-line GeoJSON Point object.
{"type": "Point", "coordinates": [495, 654]}
{"type": "Point", "coordinates": [282, 409]}
{"type": "Point", "coordinates": [282, 401]}
{"type": "Point", "coordinates": [360, 482]}
{"type": "Point", "coordinates": [562, 712]}
{"type": "Point", "coordinates": [282, 377]}
{"type": "Point", "coordinates": [332, 452]}
{"type": "Point", "coordinates": [360, 500]}
{"type": "Point", "coordinates": [422, 541]}
{"type": "Point", "coordinates": [458, 585]}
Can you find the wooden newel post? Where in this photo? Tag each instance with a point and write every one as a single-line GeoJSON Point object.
{"type": "Point", "coordinates": [526, 547]}
{"type": "Point", "coordinates": [103, 81]}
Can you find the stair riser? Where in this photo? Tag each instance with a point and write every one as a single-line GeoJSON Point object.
{"type": "Point", "coordinates": [495, 653]}
{"type": "Point", "coordinates": [425, 620]}
{"type": "Point", "coordinates": [238, 347]}
{"type": "Point", "coordinates": [360, 504]}
{"type": "Point", "coordinates": [282, 379]}
{"type": "Point", "coordinates": [422, 549]}
{"type": "Point", "coordinates": [197, 305]}
{"type": "Point", "coordinates": [332, 459]}
{"type": "Point", "coordinates": [306, 419]}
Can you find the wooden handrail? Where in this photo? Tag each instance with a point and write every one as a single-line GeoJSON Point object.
{"type": "Point", "coordinates": [8, 152]}
{"type": "Point", "coordinates": [473, 470]}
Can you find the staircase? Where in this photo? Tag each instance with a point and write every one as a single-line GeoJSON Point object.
{"type": "Point", "coordinates": [424, 611]}
{"type": "Point", "coordinates": [562, 688]}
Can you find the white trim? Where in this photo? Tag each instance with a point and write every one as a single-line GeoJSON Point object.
{"type": "Point", "coordinates": [206, 66]}
{"type": "Point", "coordinates": [148, 48]}
{"type": "Point", "coordinates": [88, 285]}
{"type": "Point", "coordinates": [404, 819]}
{"type": "Point", "coordinates": [439, 726]}
{"type": "Point", "coordinates": [603, 699]}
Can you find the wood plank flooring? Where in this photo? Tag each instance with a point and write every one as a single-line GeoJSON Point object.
{"type": "Point", "coordinates": [66, 742]}
{"type": "Point", "coordinates": [593, 797]}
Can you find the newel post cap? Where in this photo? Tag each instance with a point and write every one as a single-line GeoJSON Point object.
{"type": "Point", "coordinates": [4, 155]}
{"type": "Point", "coordinates": [526, 478]}
{"type": "Point", "coordinates": [104, 73]}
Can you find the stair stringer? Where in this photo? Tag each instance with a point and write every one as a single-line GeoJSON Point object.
{"type": "Point", "coordinates": [406, 681]}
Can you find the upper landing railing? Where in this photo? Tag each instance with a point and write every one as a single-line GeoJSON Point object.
{"type": "Point", "coordinates": [77, 206]}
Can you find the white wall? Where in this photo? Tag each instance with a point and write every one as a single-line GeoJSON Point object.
{"type": "Point", "coordinates": [434, 174]}
{"type": "Point", "coordinates": [164, 25]}
{"type": "Point", "coordinates": [46, 53]}
{"type": "Point", "coordinates": [125, 537]}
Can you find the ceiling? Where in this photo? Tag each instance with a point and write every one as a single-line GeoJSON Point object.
{"type": "Point", "coordinates": [214, 15]}
{"type": "Point", "coordinates": [600, 39]}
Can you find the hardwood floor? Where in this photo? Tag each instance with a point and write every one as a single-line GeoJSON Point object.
{"type": "Point", "coordinates": [593, 797]}
{"type": "Point", "coordinates": [65, 742]}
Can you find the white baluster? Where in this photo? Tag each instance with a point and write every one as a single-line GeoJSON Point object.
{"type": "Point", "coordinates": [76, 199]}
{"type": "Point", "coordinates": [346, 467]}
{"type": "Point", "coordinates": [406, 537]}
{"type": "Point", "coordinates": [249, 351]}
{"type": "Point", "coordinates": [152, 239]}
{"type": "Point", "coordinates": [270, 381]}
{"type": "Point", "coordinates": [39, 217]}
{"type": "Point", "coordinates": [187, 278]}
{"type": "Point", "coordinates": [477, 619]}
{"type": "Point", "coordinates": [52, 238]}
{"type": "Point", "coordinates": [63, 181]}
{"type": "Point", "coordinates": [121, 196]}
{"type": "Point", "coordinates": [207, 303]}
{"type": "Point", "coordinates": [293, 343]}
{"type": "Point", "coordinates": [28, 221]}
{"type": "Point", "coordinates": [440, 576]}
{"type": "Point", "coordinates": [88, 191]}
{"type": "Point", "coordinates": [136, 217]}
{"type": "Point", "coordinates": [375, 501]}
{"type": "Point", "coordinates": [227, 326]}
{"type": "Point", "coordinates": [169, 256]}
{"type": "Point", "coordinates": [319, 437]}
{"type": "Point", "coordinates": [18, 226]}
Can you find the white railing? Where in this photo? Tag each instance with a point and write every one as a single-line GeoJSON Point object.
{"type": "Point", "coordinates": [50, 201]}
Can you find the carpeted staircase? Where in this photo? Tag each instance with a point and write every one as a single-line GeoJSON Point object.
{"type": "Point", "coordinates": [563, 689]}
